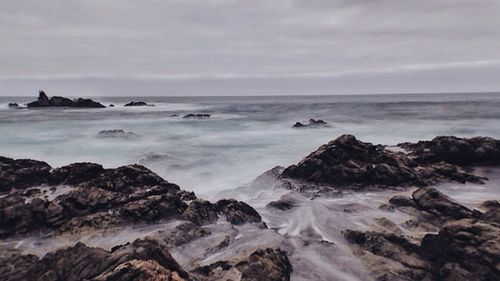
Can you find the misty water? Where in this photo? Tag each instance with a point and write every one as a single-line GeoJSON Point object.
{"type": "Point", "coordinates": [244, 137]}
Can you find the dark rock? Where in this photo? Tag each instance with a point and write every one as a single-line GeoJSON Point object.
{"type": "Point", "coordinates": [86, 103]}
{"type": "Point", "coordinates": [349, 163]}
{"type": "Point", "coordinates": [141, 260]}
{"type": "Point", "coordinates": [268, 264]}
{"type": "Point", "coordinates": [111, 105]}
{"type": "Point", "coordinates": [313, 123]}
{"type": "Point", "coordinates": [492, 211]}
{"type": "Point", "coordinates": [75, 173]}
{"type": "Point", "coordinates": [22, 173]}
{"type": "Point", "coordinates": [467, 246]}
{"type": "Point", "coordinates": [464, 250]}
{"type": "Point", "coordinates": [261, 265]}
{"type": "Point", "coordinates": [237, 212]}
{"type": "Point", "coordinates": [196, 116]}
{"type": "Point", "coordinates": [136, 103]}
{"type": "Point", "coordinates": [116, 133]}
{"type": "Point", "coordinates": [454, 150]}
{"type": "Point", "coordinates": [440, 205]}
{"type": "Point", "coordinates": [13, 105]}
{"type": "Point", "coordinates": [200, 212]}
{"type": "Point", "coordinates": [44, 101]}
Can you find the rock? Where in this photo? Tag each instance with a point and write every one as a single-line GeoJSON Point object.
{"type": "Point", "coordinates": [101, 198]}
{"type": "Point", "coordinates": [440, 205]}
{"type": "Point", "coordinates": [464, 250]}
{"type": "Point", "coordinates": [44, 101]}
{"type": "Point", "coordinates": [454, 150]}
{"type": "Point", "coordinates": [13, 105]}
{"type": "Point", "coordinates": [349, 163]}
{"type": "Point", "coordinates": [136, 103]}
{"type": "Point", "coordinates": [492, 211]}
{"type": "Point", "coordinates": [111, 105]}
{"type": "Point", "coordinates": [196, 116]}
{"type": "Point", "coordinates": [86, 103]}
{"type": "Point", "coordinates": [268, 264]}
{"type": "Point", "coordinates": [466, 247]}
{"type": "Point", "coordinates": [312, 124]}
{"type": "Point", "coordinates": [237, 212]}
{"type": "Point", "coordinates": [262, 265]}
{"type": "Point", "coordinates": [116, 133]}
{"type": "Point", "coordinates": [22, 173]}
{"type": "Point", "coordinates": [140, 260]}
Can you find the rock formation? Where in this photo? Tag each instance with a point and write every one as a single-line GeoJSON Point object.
{"type": "Point", "coordinates": [349, 163]}
{"type": "Point", "coordinates": [44, 101]}
{"type": "Point", "coordinates": [313, 123]}
{"type": "Point", "coordinates": [136, 103]}
{"type": "Point", "coordinates": [466, 246]}
{"type": "Point", "coordinates": [196, 116]}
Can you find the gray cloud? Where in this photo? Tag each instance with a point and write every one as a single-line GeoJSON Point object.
{"type": "Point", "coordinates": [249, 47]}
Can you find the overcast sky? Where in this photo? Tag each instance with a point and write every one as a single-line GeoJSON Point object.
{"type": "Point", "coordinates": [226, 47]}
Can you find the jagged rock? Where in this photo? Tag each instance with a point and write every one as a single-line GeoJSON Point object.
{"type": "Point", "coordinates": [237, 212]}
{"type": "Point", "coordinates": [440, 205]}
{"type": "Point", "coordinates": [44, 101]}
{"type": "Point", "coordinates": [116, 133]}
{"type": "Point", "coordinates": [133, 261]}
{"type": "Point", "coordinates": [467, 246]}
{"type": "Point", "coordinates": [349, 163]}
{"type": "Point", "coordinates": [454, 150]}
{"type": "Point", "coordinates": [492, 211]}
{"type": "Point", "coordinates": [313, 123]}
{"type": "Point", "coordinates": [464, 250]}
{"type": "Point", "coordinates": [22, 173]}
{"type": "Point", "coordinates": [196, 116]}
{"type": "Point", "coordinates": [261, 265]}
{"type": "Point", "coordinates": [136, 103]}
{"type": "Point", "coordinates": [101, 198]}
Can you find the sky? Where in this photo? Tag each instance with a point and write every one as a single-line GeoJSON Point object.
{"type": "Point", "coordinates": [248, 47]}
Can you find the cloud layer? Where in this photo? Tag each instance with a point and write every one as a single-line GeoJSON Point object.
{"type": "Point", "coordinates": [249, 47]}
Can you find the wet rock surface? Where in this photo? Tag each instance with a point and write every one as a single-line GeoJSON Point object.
{"type": "Point", "coordinates": [44, 101]}
{"type": "Point", "coordinates": [465, 247]}
{"type": "Point", "coordinates": [348, 163]}
{"type": "Point", "coordinates": [98, 198]}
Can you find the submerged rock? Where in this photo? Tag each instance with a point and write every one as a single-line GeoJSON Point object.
{"type": "Point", "coordinates": [136, 103]}
{"type": "Point", "coordinates": [44, 101]}
{"type": "Point", "coordinates": [116, 133]}
{"type": "Point", "coordinates": [313, 123]}
{"type": "Point", "coordinates": [14, 105]}
{"type": "Point", "coordinates": [197, 116]}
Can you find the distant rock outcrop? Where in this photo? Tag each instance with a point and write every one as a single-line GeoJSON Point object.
{"type": "Point", "coordinates": [197, 116]}
{"type": "Point", "coordinates": [313, 123]}
{"type": "Point", "coordinates": [44, 101]}
{"type": "Point", "coordinates": [136, 103]}
{"type": "Point", "coordinates": [117, 133]}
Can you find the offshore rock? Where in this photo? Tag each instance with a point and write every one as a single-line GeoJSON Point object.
{"type": "Point", "coordinates": [44, 101]}
{"type": "Point", "coordinates": [313, 123]}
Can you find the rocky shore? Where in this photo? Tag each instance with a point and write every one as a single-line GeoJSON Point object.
{"type": "Point", "coordinates": [188, 238]}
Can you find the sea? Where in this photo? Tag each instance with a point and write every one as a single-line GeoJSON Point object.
{"type": "Point", "coordinates": [245, 136]}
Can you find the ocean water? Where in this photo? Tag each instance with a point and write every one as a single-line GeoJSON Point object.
{"type": "Point", "coordinates": [246, 136]}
